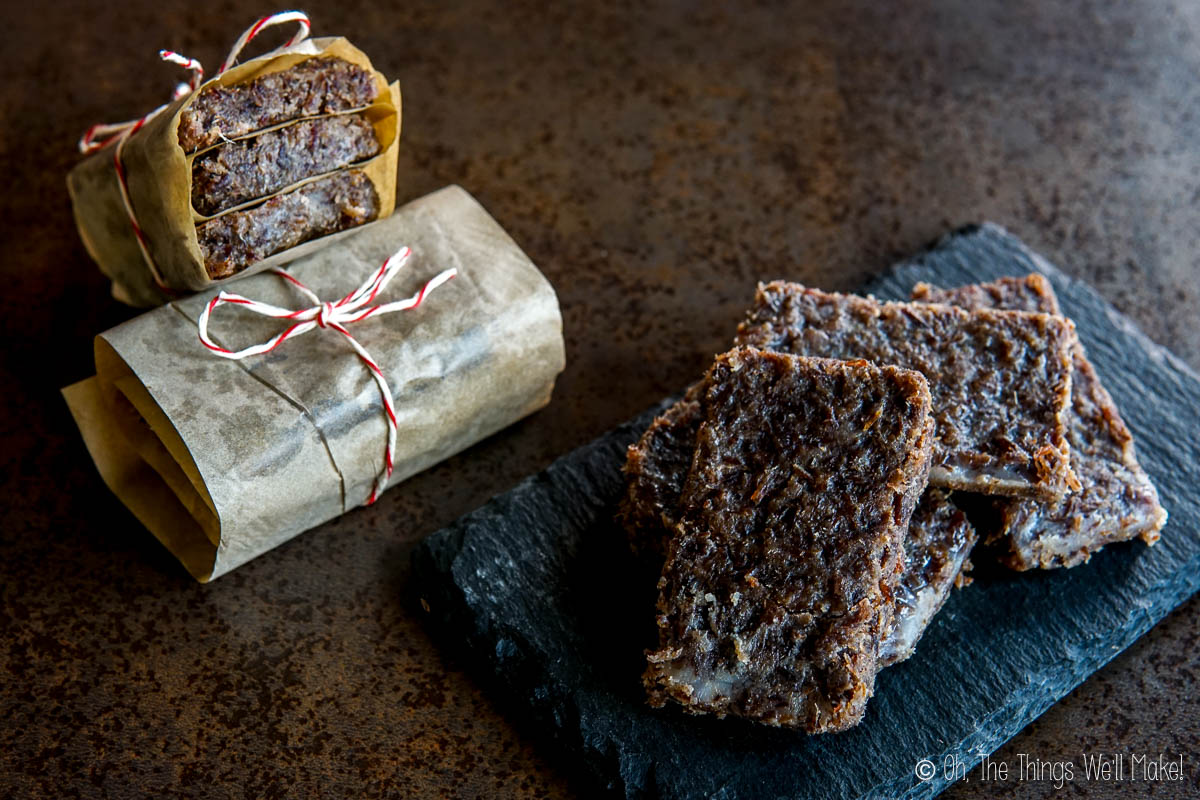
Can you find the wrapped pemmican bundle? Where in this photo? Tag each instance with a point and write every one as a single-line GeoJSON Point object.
{"type": "Point", "coordinates": [264, 163]}
{"type": "Point", "coordinates": [223, 458]}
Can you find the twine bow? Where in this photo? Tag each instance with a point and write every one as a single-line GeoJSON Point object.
{"type": "Point", "coordinates": [352, 308]}
{"type": "Point", "coordinates": [102, 135]}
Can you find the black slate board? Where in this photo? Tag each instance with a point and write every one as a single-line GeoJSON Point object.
{"type": "Point", "coordinates": [537, 591]}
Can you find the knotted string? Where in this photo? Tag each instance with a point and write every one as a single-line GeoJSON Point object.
{"type": "Point", "coordinates": [352, 308]}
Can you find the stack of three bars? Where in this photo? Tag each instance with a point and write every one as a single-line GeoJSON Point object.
{"type": "Point", "coordinates": [276, 161]}
{"type": "Point", "coordinates": [779, 493]}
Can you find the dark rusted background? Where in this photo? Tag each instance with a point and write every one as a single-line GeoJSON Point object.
{"type": "Point", "coordinates": [655, 163]}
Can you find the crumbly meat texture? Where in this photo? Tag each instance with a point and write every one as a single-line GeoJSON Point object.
{"type": "Point", "coordinates": [234, 241]}
{"type": "Point", "coordinates": [322, 85]}
{"type": "Point", "coordinates": [247, 169]}
{"type": "Point", "coordinates": [936, 546]}
{"type": "Point", "coordinates": [778, 582]}
{"type": "Point", "coordinates": [1032, 292]}
{"type": "Point", "coordinates": [1001, 380]}
{"type": "Point", "coordinates": [655, 468]}
{"type": "Point", "coordinates": [936, 552]}
{"type": "Point", "coordinates": [1116, 501]}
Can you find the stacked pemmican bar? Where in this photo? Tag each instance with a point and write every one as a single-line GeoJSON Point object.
{"type": "Point", "coordinates": [762, 493]}
{"type": "Point", "coordinates": [1116, 500]}
{"type": "Point", "coordinates": [272, 161]}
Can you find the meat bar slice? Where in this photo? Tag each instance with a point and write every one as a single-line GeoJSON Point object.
{"type": "Point", "coordinates": [233, 241]}
{"type": "Point", "coordinates": [322, 85]}
{"type": "Point", "coordinates": [1116, 501]}
{"type": "Point", "coordinates": [1030, 293]}
{"type": "Point", "coordinates": [655, 469]}
{"type": "Point", "coordinates": [1001, 380]}
{"type": "Point", "coordinates": [936, 546]}
{"type": "Point", "coordinates": [778, 579]}
{"type": "Point", "coordinates": [936, 552]}
{"type": "Point", "coordinates": [247, 169]}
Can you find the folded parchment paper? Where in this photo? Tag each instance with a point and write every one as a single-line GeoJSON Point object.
{"type": "Point", "coordinates": [159, 177]}
{"type": "Point", "coordinates": [223, 460]}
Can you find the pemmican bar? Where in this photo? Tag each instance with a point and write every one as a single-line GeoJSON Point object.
{"type": "Point", "coordinates": [314, 86]}
{"type": "Point", "coordinates": [340, 201]}
{"type": "Point", "coordinates": [655, 469]}
{"type": "Point", "coordinates": [248, 169]}
{"type": "Point", "coordinates": [1116, 501]}
{"type": "Point", "coordinates": [778, 581]}
{"type": "Point", "coordinates": [936, 546]}
{"type": "Point", "coordinates": [1001, 380]}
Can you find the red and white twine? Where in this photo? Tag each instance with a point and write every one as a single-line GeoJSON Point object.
{"type": "Point", "coordinates": [102, 135]}
{"type": "Point", "coordinates": [352, 308]}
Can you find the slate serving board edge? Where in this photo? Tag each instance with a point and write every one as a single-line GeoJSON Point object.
{"type": "Point", "coordinates": [494, 654]}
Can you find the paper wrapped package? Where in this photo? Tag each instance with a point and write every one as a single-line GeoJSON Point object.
{"type": "Point", "coordinates": [158, 175]}
{"type": "Point", "coordinates": [223, 460]}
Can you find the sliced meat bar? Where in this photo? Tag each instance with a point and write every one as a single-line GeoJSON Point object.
{"type": "Point", "coordinates": [233, 241]}
{"type": "Point", "coordinates": [1116, 501]}
{"type": "Point", "coordinates": [1001, 380]}
{"type": "Point", "coordinates": [322, 85]}
{"type": "Point", "coordinates": [655, 468]}
{"type": "Point", "coordinates": [248, 169]}
{"type": "Point", "coordinates": [778, 581]}
{"type": "Point", "coordinates": [936, 546]}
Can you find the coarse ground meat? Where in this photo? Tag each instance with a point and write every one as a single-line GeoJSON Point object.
{"type": "Point", "coordinates": [1001, 380]}
{"type": "Point", "coordinates": [1116, 500]}
{"type": "Point", "coordinates": [234, 241]}
{"type": "Point", "coordinates": [241, 171]}
{"type": "Point", "coordinates": [321, 85]}
{"type": "Point", "coordinates": [778, 580]}
{"type": "Point", "coordinates": [936, 546]}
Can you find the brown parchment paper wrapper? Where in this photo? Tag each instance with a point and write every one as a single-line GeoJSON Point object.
{"type": "Point", "coordinates": [223, 460]}
{"type": "Point", "coordinates": [159, 177]}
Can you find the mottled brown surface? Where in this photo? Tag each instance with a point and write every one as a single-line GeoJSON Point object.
{"type": "Point", "coordinates": [315, 86]}
{"type": "Point", "coordinates": [655, 469]}
{"type": "Point", "coordinates": [1001, 380]}
{"type": "Point", "coordinates": [936, 547]}
{"type": "Point", "coordinates": [235, 173]}
{"type": "Point", "coordinates": [234, 241]}
{"type": "Point", "coordinates": [778, 581]}
{"type": "Point", "coordinates": [1116, 500]}
{"type": "Point", "coordinates": [1030, 293]}
{"type": "Point", "coordinates": [655, 165]}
